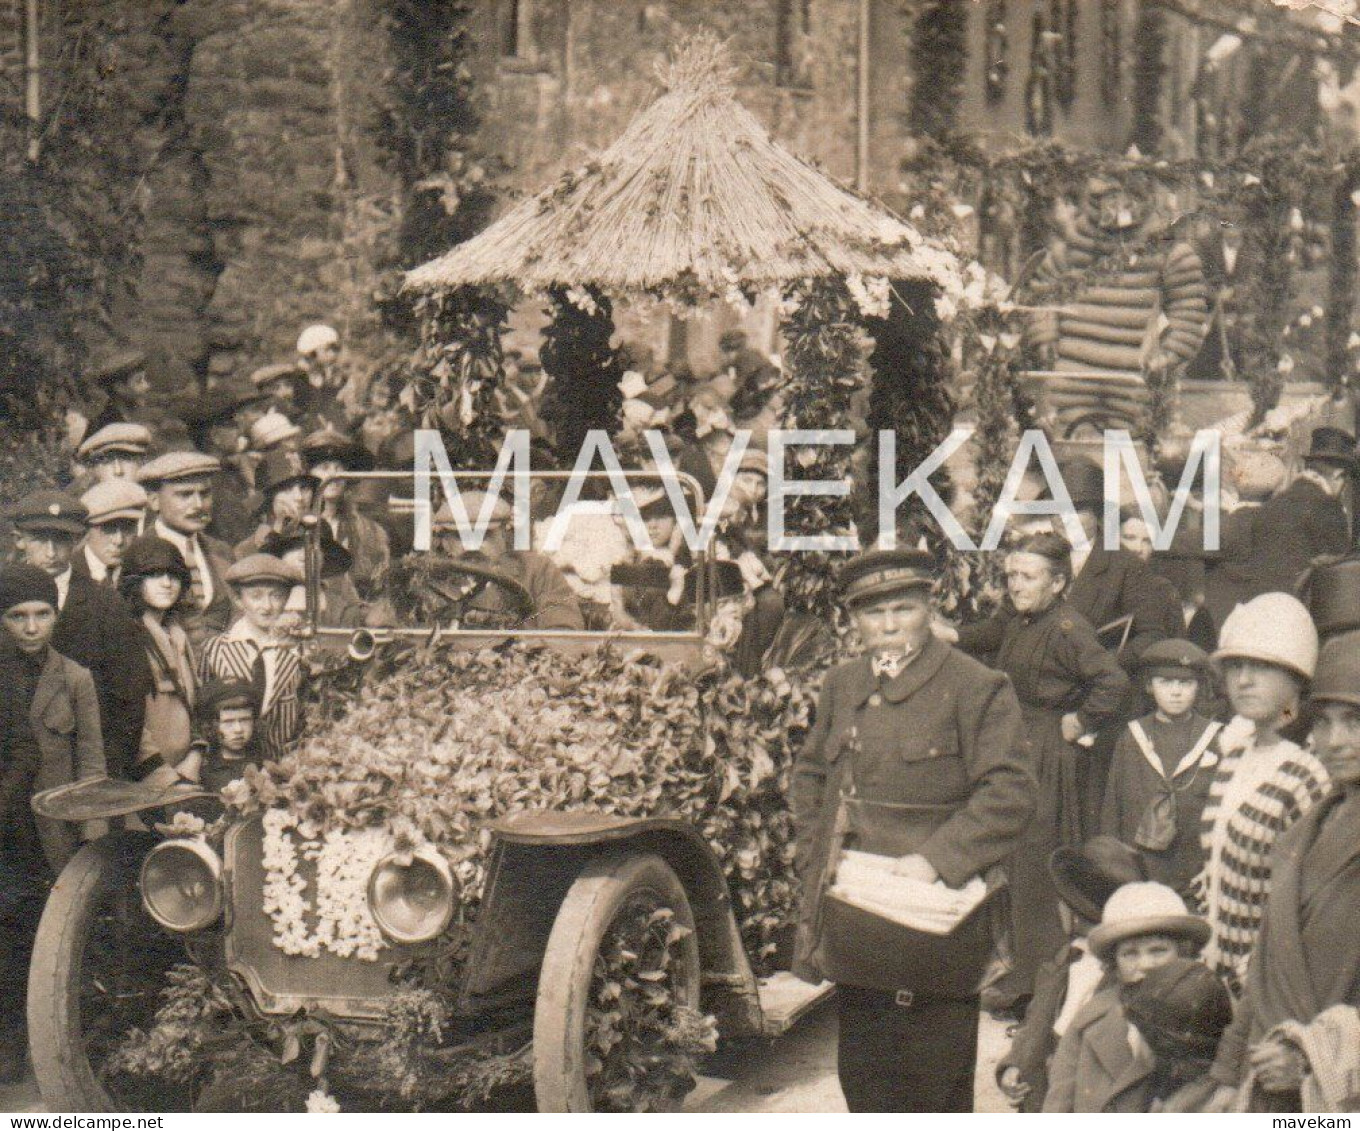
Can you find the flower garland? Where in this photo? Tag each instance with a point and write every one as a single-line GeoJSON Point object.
{"type": "Point", "coordinates": [344, 861]}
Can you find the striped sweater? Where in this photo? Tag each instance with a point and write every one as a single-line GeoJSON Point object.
{"type": "Point", "coordinates": [1108, 326]}
{"type": "Point", "coordinates": [1237, 843]}
{"type": "Point", "coordinates": [276, 672]}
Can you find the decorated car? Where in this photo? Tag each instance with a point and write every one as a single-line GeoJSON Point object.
{"type": "Point", "coordinates": [498, 857]}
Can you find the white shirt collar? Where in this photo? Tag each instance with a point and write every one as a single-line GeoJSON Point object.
{"type": "Point", "coordinates": [185, 543]}
{"type": "Point", "coordinates": [63, 581]}
{"type": "Point", "coordinates": [192, 548]}
{"type": "Point", "coordinates": [98, 570]}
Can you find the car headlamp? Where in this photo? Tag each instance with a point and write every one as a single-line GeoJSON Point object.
{"type": "Point", "coordinates": [411, 896]}
{"type": "Point", "coordinates": [182, 885]}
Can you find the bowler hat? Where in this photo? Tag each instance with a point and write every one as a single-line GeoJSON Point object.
{"type": "Point", "coordinates": [1337, 679]}
{"type": "Point", "coordinates": [1086, 876]}
{"type": "Point", "coordinates": [278, 470]}
{"type": "Point", "coordinates": [52, 511]}
{"type": "Point", "coordinates": [1144, 908]}
{"type": "Point", "coordinates": [1181, 1009]}
{"type": "Point", "coordinates": [1332, 446]}
{"type": "Point", "coordinates": [877, 574]}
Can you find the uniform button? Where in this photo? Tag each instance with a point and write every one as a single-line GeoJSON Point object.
{"type": "Point", "coordinates": [875, 700]}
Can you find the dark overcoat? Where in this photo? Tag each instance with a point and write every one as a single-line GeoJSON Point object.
{"type": "Point", "coordinates": [96, 630]}
{"type": "Point", "coordinates": [945, 732]}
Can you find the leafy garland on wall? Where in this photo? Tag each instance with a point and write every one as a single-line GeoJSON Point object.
{"type": "Point", "coordinates": [584, 368]}
{"type": "Point", "coordinates": [824, 358]}
{"type": "Point", "coordinates": [426, 126]}
{"type": "Point", "coordinates": [456, 370]}
{"type": "Point", "coordinates": [939, 64]}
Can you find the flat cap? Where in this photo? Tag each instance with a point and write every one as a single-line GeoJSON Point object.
{"type": "Point", "coordinates": [267, 373]}
{"type": "Point", "coordinates": [114, 499]}
{"type": "Point", "coordinates": [130, 439]}
{"type": "Point", "coordinates": [178, 465]}
{"type": "Point", "coordinates": [272, 428]}
{"type": "Point", "coordinates": [1174, 658]}
{"type": "Point", "coordinates": [256, 569]}
{"type": "Point", "coordinates": [49, 510]}
{"type": "Point", "coordinates": [877, 574]}
{"type": "Point", "coordinates": [115, 364]}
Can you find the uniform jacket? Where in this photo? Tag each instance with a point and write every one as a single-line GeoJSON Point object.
{"type": "Point", "coordinates": [1271, 545]}
{"type": "Point", "coordinates": [945, 731]}
{"type": "Point", "coordinates": [1095, 1067]}
{"type": "Point", "coordinates": [1307, 954]}
{"type": "Point", "coordinates": [96, 630]}
{"type": "Point", "coordinates": [65, 720]}
{"type": "Point", "coordinates": [1112, 584]}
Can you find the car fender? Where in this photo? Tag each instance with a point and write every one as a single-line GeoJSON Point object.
{"type": "Point", "coordinates": [535, 858]}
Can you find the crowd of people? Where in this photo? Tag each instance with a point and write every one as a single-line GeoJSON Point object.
{"type": "Point", "coordinates": [1156, 748]}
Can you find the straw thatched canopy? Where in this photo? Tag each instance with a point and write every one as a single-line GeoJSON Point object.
{"type": "Point", "coordinates": [691, 200]}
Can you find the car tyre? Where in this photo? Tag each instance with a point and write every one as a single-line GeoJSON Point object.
{"type": "Point", "coordinates": [609, 894]}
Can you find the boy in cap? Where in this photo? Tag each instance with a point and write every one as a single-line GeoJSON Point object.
{"type": "Point", "coordinates": [257, 649]}
{"type": "Point", "coordinates": [1163, 765]}
{"type": "Point", "coordinates": [93, 626]}
{"type": "Point", "coordinates": [929, 738]}
{"type": "Point", "coordinates": [181, 491]}
{"type": "Point", "coordinates": [121, 377]}
{"type": "Point", "coordinates": [49, 736]}
{"type": "Point", "coordinates": [116, 509]}
{"type": "Point", "coordinates": [1097, 1068]}
{"type": "Point", "coordinates": [281, 383]}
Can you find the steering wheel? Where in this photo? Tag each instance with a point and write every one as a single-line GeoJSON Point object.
{"type": "Point", "coordinates": [443, 589]}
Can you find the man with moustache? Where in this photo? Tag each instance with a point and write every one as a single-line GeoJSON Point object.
{"type": "Point", "coordinates": [930, 740]}
{"type": "Point", "coordinates": [94, 627]}
{"type": "Point", "coordinates": [179, 488]}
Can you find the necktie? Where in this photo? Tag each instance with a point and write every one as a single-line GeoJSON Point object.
{"type": "Point", "coordinates": [196, 590]}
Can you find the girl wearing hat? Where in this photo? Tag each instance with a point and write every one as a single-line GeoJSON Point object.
{"type": "Point", "coordinates": [1143, 927]}
{"type": "Point", "coordinates": [1162, 766]}
{"type": "Point", "coordinates": [155, 584]}
{"type": "Point", "coordinates": [1068, 685]}
{"type": "Point", "coordinates": [1265, 781]}
{"type": "Point", "coordinates": [256, 649]}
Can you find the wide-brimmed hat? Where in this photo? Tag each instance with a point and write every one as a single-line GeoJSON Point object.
{"type": "Point", "coordinates": [1085, 483]}
{"type": "Point", "coordinates": [1145, 908]}
{"type": "Point", "coordinates": [54, 511]}
{"type": "Point", "coordinates": [1087, 875]}
{"type": "Point", "coordinates": [1333, 446]}
{"type": "Point", "coordinates": [271, 429]}
{"type": "Point", "coordinates": [329, 443]}
{"type": "Point", "coordinates": [335, 559]}
{"type": "Point", "coordinates": [878, 574]}
{"type": "Point", "coordinates": [277, 471]}
{"type": "Point", "coordinates": [1337, 678]}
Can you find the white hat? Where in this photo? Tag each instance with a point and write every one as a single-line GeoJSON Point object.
{"type": "Point", "coordinates": [1273, 628]}
{"type": "Point", "coordinates": [316, 337]}
{"type": "Point", "coordinates": [272, 428]}
{"type": "Point", "coordinates": [1144, 909]}
{"type": "Point", "coordinates": [114, 499]}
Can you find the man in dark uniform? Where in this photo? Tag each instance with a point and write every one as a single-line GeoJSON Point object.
{"type": "Point", "coordinates": [914, 723]}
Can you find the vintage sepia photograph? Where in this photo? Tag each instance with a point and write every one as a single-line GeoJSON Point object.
{"type": "Point", "coordinates": [691, 556]}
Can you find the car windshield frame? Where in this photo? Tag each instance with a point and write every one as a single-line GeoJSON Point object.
{"type": "Point", "coordinates": [314, 627]}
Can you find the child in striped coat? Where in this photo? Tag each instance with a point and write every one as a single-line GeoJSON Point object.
{"type": "Point", "coordinates": [1264, 782]}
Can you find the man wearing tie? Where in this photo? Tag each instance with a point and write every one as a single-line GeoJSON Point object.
{"type": "Point", "coordinates": [179, 487]}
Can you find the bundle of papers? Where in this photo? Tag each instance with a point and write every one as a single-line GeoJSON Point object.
{"type": "Point", "coordinates": [867, 881]}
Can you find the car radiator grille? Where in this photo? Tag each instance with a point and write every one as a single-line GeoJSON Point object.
{"type": "Point", "coordinates": [281, 984]}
